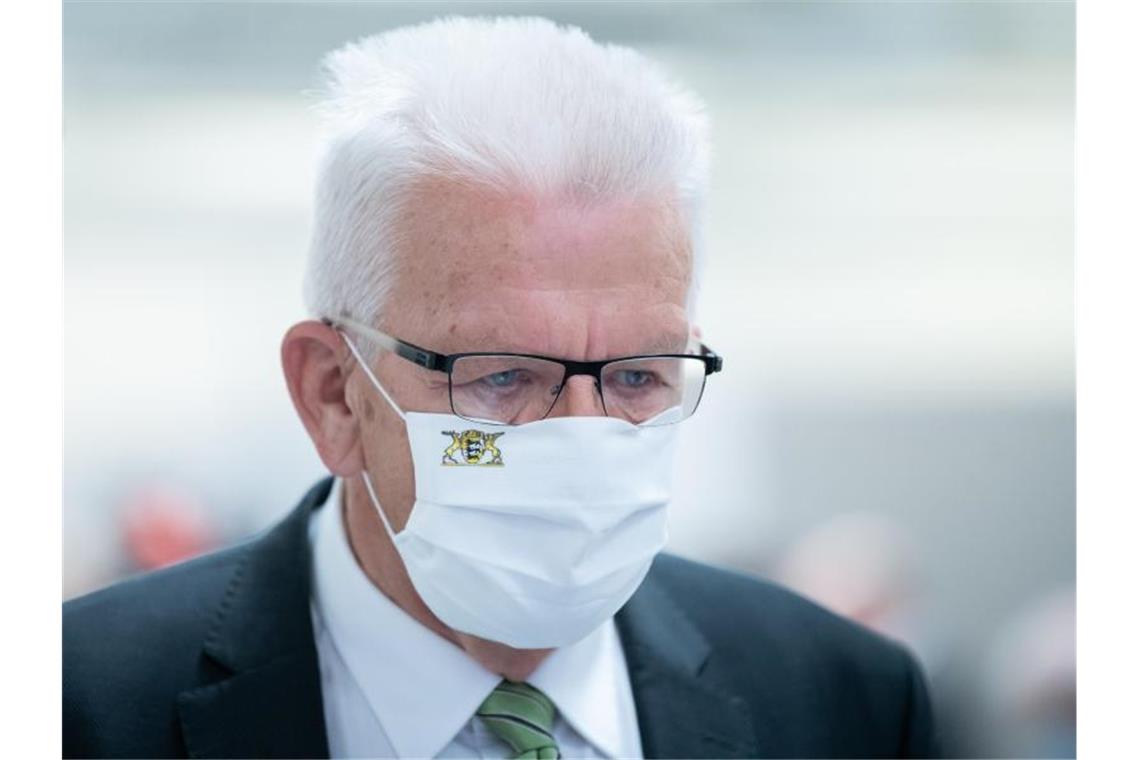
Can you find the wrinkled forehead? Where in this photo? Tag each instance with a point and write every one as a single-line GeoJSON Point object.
{"type": "Point", "coordinates": [477, 271]}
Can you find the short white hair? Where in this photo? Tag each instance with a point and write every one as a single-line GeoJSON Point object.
{"type": "Point", "coordinates": [511, 104]}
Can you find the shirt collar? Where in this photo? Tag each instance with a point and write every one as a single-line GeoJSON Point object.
{"type": "Point", "coordinates": [422, 688]}
{"type": "Point", "coordinates": [585, 681]}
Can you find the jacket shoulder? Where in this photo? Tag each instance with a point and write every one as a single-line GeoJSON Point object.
{"type": "Point", "coordinates": [130, 648]}
{"type": "Point", "coordinates": [163, 605]}
{"type": "Point", "coordinates": [850, 685]}
{"type": "Point", "coordinates": [729, 606]}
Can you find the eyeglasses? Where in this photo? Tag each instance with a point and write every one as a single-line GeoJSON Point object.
{"type": "Point", "coordinates": [512, 389]}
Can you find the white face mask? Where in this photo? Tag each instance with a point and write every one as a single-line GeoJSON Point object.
{"type": "Point", "coordinates": [531, 535]}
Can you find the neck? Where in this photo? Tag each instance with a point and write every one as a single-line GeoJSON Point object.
{"type": "Point", "coordinates": [377, 557]}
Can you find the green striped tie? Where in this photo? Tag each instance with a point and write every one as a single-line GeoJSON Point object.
{"type": "Point", "coordinates": [523, 717]}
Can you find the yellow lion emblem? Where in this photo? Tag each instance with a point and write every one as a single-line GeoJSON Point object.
{"type": "Point", "coordinates": [474, 448]}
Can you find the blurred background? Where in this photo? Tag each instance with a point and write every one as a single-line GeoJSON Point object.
{"type": "Point", "coordinates": [889, 278]}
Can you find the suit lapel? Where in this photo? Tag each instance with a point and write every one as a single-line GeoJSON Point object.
{"type": "Point", "coordinates": [681, 710]}
{"type": "Point", "coordinates": [266, 700]}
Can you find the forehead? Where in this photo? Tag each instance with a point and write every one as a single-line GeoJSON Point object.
{"type": "Point", "coordinates": [480, 272]}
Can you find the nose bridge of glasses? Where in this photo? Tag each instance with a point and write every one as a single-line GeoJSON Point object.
{"type": "Point", "coordinates": [580, 395]}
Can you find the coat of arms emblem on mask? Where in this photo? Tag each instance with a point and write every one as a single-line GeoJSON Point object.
{"type": "Point", "coordinates": [472, 448]}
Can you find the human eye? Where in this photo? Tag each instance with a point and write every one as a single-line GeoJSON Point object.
{"type": "Point", "coordinates": [640, 378]}
{"type": "Point", "coordinates": [634, 379]}
{"type": "Point", "coordinates": [504, 379]}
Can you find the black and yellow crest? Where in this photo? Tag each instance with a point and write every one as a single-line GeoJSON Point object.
{"type": "Point", "coordinates": [474, 447]}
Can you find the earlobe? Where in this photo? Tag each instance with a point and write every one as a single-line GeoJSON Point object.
{"type": "Point", "coordinates": [311, 358]}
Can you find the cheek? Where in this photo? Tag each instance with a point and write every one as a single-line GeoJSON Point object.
{"type": "Point", "coordinates": [375, 420]}
{"type": "Point", "coordinates": [383, 426]}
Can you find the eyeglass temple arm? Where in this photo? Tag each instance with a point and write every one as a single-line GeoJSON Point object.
{"type": "Point", "coordinates": [409, 351]}
{"type": "Point", "coordinates": [716, 363]}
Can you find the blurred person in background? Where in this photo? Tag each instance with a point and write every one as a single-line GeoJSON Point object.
{"type": "Point", "coordinates": [502, 276]}
{"type": "Point", "coordinates": [866, 567]}
{"type": "Point", "coordinates": [1029, 691]}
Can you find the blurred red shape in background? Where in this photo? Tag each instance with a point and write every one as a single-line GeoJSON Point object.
{"type": "Point", "coordinates": [162, 526]}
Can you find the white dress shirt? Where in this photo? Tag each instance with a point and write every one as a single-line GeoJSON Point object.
{"type": "Point", "coordinates": [391, 687]}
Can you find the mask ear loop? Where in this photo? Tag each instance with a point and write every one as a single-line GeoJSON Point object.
{"type": "Point", "coordinates": [364, 473]}
{"type": "Point", "coordinates": [376, 503]}
{"type": "Point", "coordinates": [368, 371]}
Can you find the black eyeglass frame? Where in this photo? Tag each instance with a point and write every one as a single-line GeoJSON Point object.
{"type": "Point", "coordinates": [438, 362]}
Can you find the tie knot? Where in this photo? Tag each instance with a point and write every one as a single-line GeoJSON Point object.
{"type": "Point", "coordinates": [523, 717]}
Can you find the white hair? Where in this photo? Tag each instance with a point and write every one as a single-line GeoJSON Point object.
{"type": "Point", "coordinates": [515, 105]}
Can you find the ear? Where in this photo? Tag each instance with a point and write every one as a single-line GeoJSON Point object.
{"type": "Point", "coordinates": [314, 359]}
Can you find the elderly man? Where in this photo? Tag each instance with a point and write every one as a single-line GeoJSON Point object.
{"type": "Point", "coordinates": [501, 279]}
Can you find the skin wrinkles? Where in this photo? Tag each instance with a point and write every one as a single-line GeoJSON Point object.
{"type": "Point", "coordinates": [482, 273]}
{"type": "Point", "coordinates": [551, 334]}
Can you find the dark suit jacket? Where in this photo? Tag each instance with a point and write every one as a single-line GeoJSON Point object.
{"type": "Point", "coordinates": [215, 657]}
